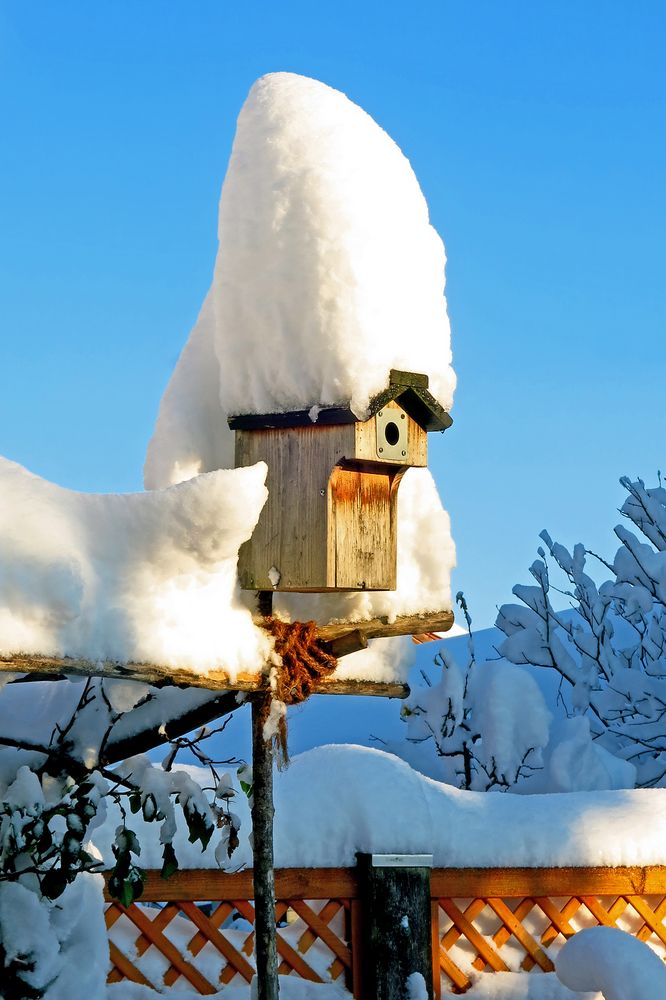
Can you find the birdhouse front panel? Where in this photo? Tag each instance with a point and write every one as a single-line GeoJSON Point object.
{"type": "Point", "coordinates": [391, 436]}
{"type": "Point", "coordinates": [330, 519]}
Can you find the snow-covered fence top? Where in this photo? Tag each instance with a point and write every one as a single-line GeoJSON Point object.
{"type": "Point", "coordinates": [337, 800]}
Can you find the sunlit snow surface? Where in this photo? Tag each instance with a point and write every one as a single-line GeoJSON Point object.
{"type": "Point", "coordinates": [618, 964]}
{"type": "Point", "coordinates": [360, 799]}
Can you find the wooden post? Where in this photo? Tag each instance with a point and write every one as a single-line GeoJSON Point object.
{"type": "Point", "coordinates": [397, 934]}
{"type": "Point", "coordinates": [265, 947]}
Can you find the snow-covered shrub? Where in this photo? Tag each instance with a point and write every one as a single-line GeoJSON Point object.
{"type": "Point", "coordinates": [479, 726]}
{"type": "Point", "coordinates": [58, 950]}
{"type": "Point", "coordinates": [486, 725]}
{"type": "Point", "coordinates": [609, 645]}
{"type": "Point", "coordinates": [64, 749]}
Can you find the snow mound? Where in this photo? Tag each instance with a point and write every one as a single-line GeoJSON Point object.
{"type": "Point", "coordinates": [328, 275]}
{"type": "Point", "coordinates": [60, 950]}
{"type": "Point", "coordinates": [137, 577]}
{"type": "Point", "coordinates": [523, 986]}
{"type": "Point", "coordinates": [616, 963]}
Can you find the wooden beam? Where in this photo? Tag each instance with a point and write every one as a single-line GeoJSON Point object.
{"type": "Point", "coordinates": [382, 628]}
{"type": "Point", "coordinates": [220, 680]}
{"type": "Point", "coordinates": [476, 883]}
{"type": "Point", "coordinates": [214, 680]}
{"type": "Point", "coordinates": [480, 883]}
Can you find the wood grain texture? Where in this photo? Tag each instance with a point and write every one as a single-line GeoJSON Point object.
{"type": "Point", "coordinates": [396, 933]}
{"type": "Point", "coordinates": [330, 520]}
{"type": "Point", "coordinates": [292, 532]}
{"type": "Point", "coordinates": [206, 884]}
{"type": "Point", "coordinates": [364, 535]}
{"type": "Point", "coordinates": [381, 628]}
{"type": "Point", "coordinates": [265, 941]}
{"type": "Point", "coordinates": [507, 882]}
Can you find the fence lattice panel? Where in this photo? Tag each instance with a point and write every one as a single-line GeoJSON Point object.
{"type": "Point", "coordinates": [516, 920]}
{"type": "Point", "coordinates": [483, 920]}
{"type": "Point", "coordinates": [204, 934]}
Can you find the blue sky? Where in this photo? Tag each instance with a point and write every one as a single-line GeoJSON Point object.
{"type": "Point", "coordinates": [537, 133]}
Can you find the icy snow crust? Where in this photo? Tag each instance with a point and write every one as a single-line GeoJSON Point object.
{"type": "Point", "coordinates": [138, 577]}
{"type": "Point", "coordinates": [360, 799]}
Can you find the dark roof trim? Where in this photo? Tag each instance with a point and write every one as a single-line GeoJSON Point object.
{"type": "Point", "coordinates": [294, 418]}
{"type": "Point", "coordinates": [410, 389]}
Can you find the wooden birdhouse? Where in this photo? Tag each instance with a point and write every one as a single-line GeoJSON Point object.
{"type": "Point", "coordinates": [330, 520]}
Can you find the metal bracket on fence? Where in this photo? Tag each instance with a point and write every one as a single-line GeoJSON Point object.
{"type": "Point", "coordinates": [401, 860]}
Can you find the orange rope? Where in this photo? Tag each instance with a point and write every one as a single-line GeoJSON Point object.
{"type": "Point", "coordinates": [304, 663]}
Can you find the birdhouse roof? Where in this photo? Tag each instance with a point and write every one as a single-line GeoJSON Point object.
{"type": "Point", "coordinates": [409, 389]}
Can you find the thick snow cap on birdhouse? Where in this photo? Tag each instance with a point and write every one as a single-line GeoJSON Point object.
{"type": "Point", "coordinates": [329, 273]}
{"type": "Point", "coordinates": [328, 276]}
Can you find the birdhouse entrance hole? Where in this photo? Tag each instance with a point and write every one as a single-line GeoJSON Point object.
{"type": "Point", "coordinates": [391, 424]}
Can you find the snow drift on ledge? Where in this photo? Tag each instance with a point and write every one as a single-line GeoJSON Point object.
{"type": "Point", "coordinates": [151, 577]}
{"type": "Point", "coordinates": [136, 577]}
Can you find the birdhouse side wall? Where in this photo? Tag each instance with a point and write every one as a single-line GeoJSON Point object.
{"type": "Point", "coordinates": [292, 536]}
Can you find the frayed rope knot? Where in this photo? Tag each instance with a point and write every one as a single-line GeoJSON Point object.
{"type": "Point", "coordinates": [304, 663]}
{"type": "Point", "coordinates": [304, 660]}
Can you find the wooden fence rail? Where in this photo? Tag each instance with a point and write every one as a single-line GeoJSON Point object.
{"type": "Point", "coordinates": [198, 925]}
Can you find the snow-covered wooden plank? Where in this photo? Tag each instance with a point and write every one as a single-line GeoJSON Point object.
{"type": "Point", "coordinates": [158, 675]}
{"type": "Point", "coordinates": [220, 680]}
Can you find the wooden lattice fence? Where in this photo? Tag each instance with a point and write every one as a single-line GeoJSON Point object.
{"type": "Point", "coordinates": [198, 926]}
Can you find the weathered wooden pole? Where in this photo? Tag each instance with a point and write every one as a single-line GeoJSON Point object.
{"type": "Point", "coordinates": [265, 947]}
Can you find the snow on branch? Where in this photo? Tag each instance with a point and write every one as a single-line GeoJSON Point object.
{"type": "Point", "coordinates": [609, 645]}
